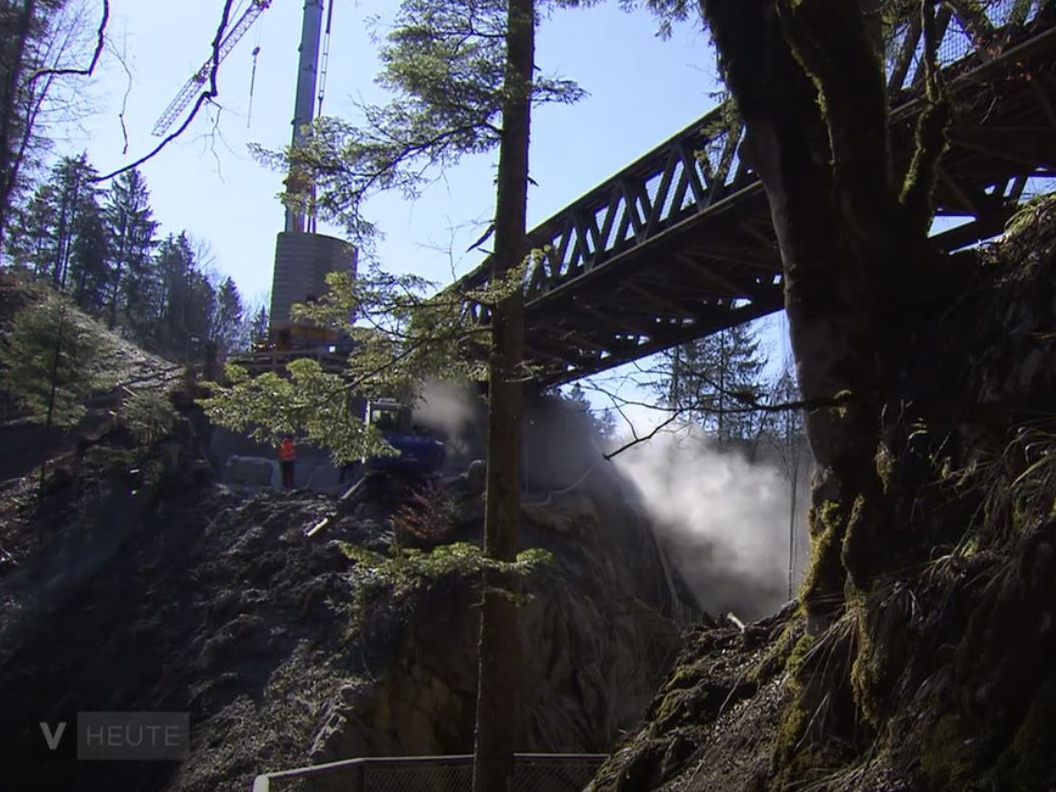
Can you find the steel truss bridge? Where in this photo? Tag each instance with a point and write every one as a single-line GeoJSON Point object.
{"type": "Point", "coordinates": [678, 245]}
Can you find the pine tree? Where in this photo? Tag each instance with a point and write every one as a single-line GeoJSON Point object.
{"type": "Point", "coordinates": [465, 81]}
{"type": "Point", "coordinates": [33, 34]}
{"type": "Point", "coordinates": [132, 227]}
{"type": "Point", "coordinates": [31, 239]}
{"type": "Point", "coordinates": [258, 328]}
{"type": "Point", "coordinates": [52, 359]}
{"type": "Point", "coordinates": [89, 254]}
{"type": "Point", "coordinates": [226, 326]}
{"type": "Point", "coordinates": [60, 235]}
{"type": "Point", "coordinates": [227, 318]}
{"type": "Point", "coordinates": [704, 378]}
{"type": "Point", "coordinates": [186, 303]}
{"type": "Point", "coordinates": [74, 194]}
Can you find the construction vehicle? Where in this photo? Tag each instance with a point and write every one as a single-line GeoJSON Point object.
{"type": "Point", "coordinates": [419, 453]}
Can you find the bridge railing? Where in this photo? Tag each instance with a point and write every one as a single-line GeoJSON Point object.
{"type": "Point", "coordinates": [531, 773]}
{"type": "Point", "coordinates": [700, 166]}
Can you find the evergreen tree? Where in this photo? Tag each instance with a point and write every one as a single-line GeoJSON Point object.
{"type": "Point", "coordinates": [704, 378]}
{"type": "Point", "coordinates": [52, 359]}
{"type": "Point", "coordinates": [465, 81]}
{"type": "Point", "coordinates": [33, 34]}
{"type": "Point", "coordinates": [31, 241]}
{"type": "Point", "coordinates": [132, 228]}
{"type": "Point", "coordinates": [603, 423]}
{"type": "Point", "coordinates": [61, 236]}
{"type": "Point", "coordinates": [74, 194]}
{"type": "Point", "coordinates": [186, 303]}
{"type": "Point", "coordinates": [258, 328]}
{"type": "Point", "coordinates": [228, 325]}
{"type": "Point", "coordinates": [89, 271]}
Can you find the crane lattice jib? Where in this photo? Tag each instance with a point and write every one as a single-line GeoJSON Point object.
{"type": "Point", "coordinates": [193, 86]}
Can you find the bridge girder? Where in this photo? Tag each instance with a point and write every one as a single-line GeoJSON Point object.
{"type": "Point", "coordinates": [678, 245]}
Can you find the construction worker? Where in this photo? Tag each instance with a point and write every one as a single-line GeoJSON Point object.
{"type": "Point", "coordinates": [287, 460]}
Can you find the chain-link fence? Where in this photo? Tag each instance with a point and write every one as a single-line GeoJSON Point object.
{"type": "Point", "coordinates": [531, 773]}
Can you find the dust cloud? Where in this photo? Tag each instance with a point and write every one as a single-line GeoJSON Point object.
{"type": "Point", "coordinates": [724, 522]}
{"type": "Point", "coordinates": [453, 411]}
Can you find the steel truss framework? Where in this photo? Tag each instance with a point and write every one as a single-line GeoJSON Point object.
{"type": "Point", "coordinates": [679, 245]}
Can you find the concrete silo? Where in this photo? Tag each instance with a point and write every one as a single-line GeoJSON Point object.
{"type": "Point", "coordinates": [302, 262]}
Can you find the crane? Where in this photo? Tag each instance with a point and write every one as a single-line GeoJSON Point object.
{"type": "Point", "coordinates": [191, 89]}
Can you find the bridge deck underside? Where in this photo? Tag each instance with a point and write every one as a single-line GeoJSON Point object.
{"type": "Point", "coordinates": [704, 275]}
{"type": "Point", "coordinates": [679, 244]}
{"type": "Point", "coordinates": [721, 267]}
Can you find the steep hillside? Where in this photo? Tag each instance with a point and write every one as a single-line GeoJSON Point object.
{"type": "Point", "coordinates": [127, 366]}
{"type": "Point", "coordinates": [152, 588]}
{"type": "Point", "coordinates": [940, 675]}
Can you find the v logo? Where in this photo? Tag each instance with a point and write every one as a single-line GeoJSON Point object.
{"type": "Point", "coordinates": [52, 739]}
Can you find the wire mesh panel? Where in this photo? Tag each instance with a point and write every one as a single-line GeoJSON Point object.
{"type": "Point", "coordinates": [554, 773]}
{"type": "Point", "coordinates": [455, 776]}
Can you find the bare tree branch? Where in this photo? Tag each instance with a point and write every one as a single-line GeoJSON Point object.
{"type": "Point", "coordinates": [205, 96]}
{"type": "Point", "coordinates": [100, 43]}
{"type": "Point", "coordinates": [638, 439]}
{"type": "Point", "coordinates": [751, 404]}
{"type": "Point", "coordinates": [124, 101]}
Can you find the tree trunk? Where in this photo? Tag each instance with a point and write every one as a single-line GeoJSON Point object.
{"type": "Point", "coordinates": [854, 248]}
{"type": "Point", "coordinates": [499, 667]}
{"type": "Point", "coordinates": [848, 246]}
{"type": "Point", "coordinates": [53, 384]}
{"type": "Point", "coordinates": [9, 114]}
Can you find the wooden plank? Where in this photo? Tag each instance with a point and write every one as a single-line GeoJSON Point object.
{"type": "Point", "coordinates": [611, 320]}
{"type": "Point", "coordinates": [631, 194]}
{"type": "Point", "coordinates": [559, 258]}
{"type": "Point", "coordinates": [658, 301]}
{"type": "Point", "coordinates": [1045, 102]}
{"type": "Point", "coordinates": [625, 220]}
{"type": "Point", "coordinates": [1013, 149]}
{"type": "Point", "coordinates": [730, 288]}
{"type": "Point", "coordinates": [958, 192]}
{"type": "Point", "coordinates": [905, 56]}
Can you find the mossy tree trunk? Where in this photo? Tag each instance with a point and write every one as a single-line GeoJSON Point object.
{"type": "Point", "coordinates": [499, 667]}
{"type": "Point", "coordinates": [808, 78]}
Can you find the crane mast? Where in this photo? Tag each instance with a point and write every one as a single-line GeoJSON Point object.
{"type": "Point", "coordinates": [303, 258]}
{"type": "Point", "coordinates": [194, 85]}
{"type": "Point", "coordinates": [304, 101]}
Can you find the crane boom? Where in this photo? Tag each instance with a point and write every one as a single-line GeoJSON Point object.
{"type": "Point", "coordinates": [199, 78]}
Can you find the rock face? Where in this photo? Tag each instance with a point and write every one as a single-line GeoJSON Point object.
{"type": "Point", "coordinates": [595, 639]}
{"type": "Point", "coordinates": [198, 600]}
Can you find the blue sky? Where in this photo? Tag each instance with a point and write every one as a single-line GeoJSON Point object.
{"type": "Point", "coordinates": [641, 90]}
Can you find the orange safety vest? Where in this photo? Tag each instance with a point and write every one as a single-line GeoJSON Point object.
{"type": "Point", "coordinates": [287, 451]}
